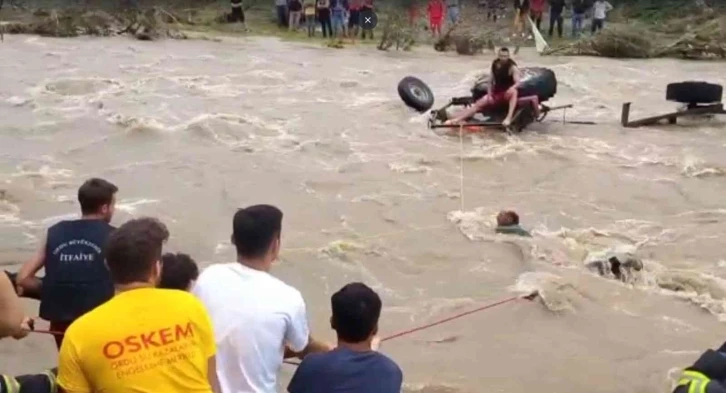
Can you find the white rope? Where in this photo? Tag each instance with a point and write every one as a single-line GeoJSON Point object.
{"type": "Point", "coordinates": [461, 166]}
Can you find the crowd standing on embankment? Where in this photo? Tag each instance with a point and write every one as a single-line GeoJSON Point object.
{"type": "Point", "coordinates": [346, 18]}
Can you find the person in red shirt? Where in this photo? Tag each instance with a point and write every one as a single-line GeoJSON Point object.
{"type": "Point", "coordinates": [536, 9]}
{"type": "Point", "coordinates": [354, 17]}
{"type": "Point", "coordinates": [436, 9]}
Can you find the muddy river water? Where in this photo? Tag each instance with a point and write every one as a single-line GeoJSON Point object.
{"type": "Point", "coordinates": [192, 130]}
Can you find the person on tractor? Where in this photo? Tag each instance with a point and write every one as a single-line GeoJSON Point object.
{"type": "Point", "coordinates": [503, 82]}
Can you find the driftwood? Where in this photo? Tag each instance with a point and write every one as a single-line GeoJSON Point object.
{"type": "Point", "coordinates": [147, 25]}
{"type": "Point", "coordinates": [471, 35]}
{"type": "Point", "coordinates": [705, 40]}
{"type": "Point", "coordinates": [398, 31]}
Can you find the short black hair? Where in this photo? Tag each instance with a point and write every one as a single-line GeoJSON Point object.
{"type": "Point", "coordinates": [504, 49]}
{"type": "Point", "coordinates": [512, 216]}
{"type": "Point", "coordinates": [178, 271]}
{"type": "Point", "coordinates": [254, 228]}
{"type": "Point", "coordinates": [94, 193]}
{"type": "Point", "coordinates": [133, 248]}
{"type": "Point", "coordinates": [356, 309]}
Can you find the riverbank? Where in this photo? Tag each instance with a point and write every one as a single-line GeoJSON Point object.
{"type": "Point", "coordinates": [633, 30]}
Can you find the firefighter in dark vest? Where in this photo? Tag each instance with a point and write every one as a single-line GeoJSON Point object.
{"type": "Point", "coordinates": [76, 277]}
{"type": "Point", "coordinates": [706, 375]}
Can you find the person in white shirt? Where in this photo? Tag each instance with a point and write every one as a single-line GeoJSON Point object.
{"type": "Point", "coordinates": [258, 320]}
{"type": "Point", "coordinates": [599, 12]}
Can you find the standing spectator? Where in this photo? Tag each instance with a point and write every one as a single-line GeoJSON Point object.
{"type": "Point", "coordinates": [76, 278]}
{"type": "Point", "coordinates": [309, 11]}
{"type": "Point", "coordinates": [324, 17]}
{"type": "Point", "coordinates": [436, 9]}
{"type": "Point", "coordinates": [354, 366]}
{"type": "Point", "coordinates": [295, 13]}
{"type": "Point", "coordinates": [237, 14]}
{"type": "Point", "coordinates": [599, 13]}
{"type": "Point", "coordinates": [556, 9]}
{"type": "Point", "coordinates": [367, 7]}
{"type": "Point", "coordinates": [493, 7]}
{"type": "Point", "coordinates": [521, 9]}
{"type": "Point", "coordinates": [412, 14]}
{"type": "Point", "coordinates": [579, 7]}
{"type": "Point", "coordinates": [536, 11]}
{"type": "Point", "coordinates": [354, 18]}
{"type": "Point", "coordinates": [281, 8]}
{"type": "Point", "coordinates": [339, 9]}
{"type": "Point", "coordinates": [452, 10]}
{"type": "Point", "coordinates": [258, 319]}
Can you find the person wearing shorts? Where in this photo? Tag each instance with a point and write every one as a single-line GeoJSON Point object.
{"type": "Point", "coordinates": [503, 83]}
{"type": "Point", "coordinates": [436, 11]}
{"type": "Point", "coordinates": [354, 17]}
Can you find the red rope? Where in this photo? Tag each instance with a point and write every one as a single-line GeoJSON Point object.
{"type": "Point", "coordinates": [40, 331]}
{"type": "Point", "coordinates": [390, 337]}
{"type": "Point", "coordinates": [439, 322]}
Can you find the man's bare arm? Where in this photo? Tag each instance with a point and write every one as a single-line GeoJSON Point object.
{"type": "Point", "coordinates": [11, 310]}
{"type": "Point", "coordinates": [516, 76]}
{"type": "Point", "coordinates": [312, 347]}
{"type": "Point", "coordinates": [212, 375]}
{"type": "Point", "coordinates": [26, 280]}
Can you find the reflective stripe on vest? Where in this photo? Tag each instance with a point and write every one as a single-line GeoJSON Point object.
{"type": "Point", "coordinates": [696, 381]}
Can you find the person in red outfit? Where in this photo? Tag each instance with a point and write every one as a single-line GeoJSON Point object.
{"type": "Point", "coordinates": [536, 9]}
{"type": "Point", "coordinates": [436, 10]}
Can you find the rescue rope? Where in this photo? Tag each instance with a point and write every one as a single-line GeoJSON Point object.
{"type": "Point", "coordinates": [531, 296]}
{"type": "Point", "coordinates": [461, 166]}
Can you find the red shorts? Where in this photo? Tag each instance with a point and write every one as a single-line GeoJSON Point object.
{"type": "Point", "coordinates": [435, 22]}
{"type": "Point", "coordinates": [499, 97]}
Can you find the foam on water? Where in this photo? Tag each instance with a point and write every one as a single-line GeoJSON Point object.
{"type": "Point", "coordinates": [369, 193]}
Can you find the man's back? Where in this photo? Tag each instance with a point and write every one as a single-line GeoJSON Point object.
{"type": "Point", "coordinates": [254, 314]}
{"type": "Point", "coordinates": [346, 371]}
{"type": "Point", "coordinates": [76, 278]}
{"type": "Point", "coordinates": [143, 340]}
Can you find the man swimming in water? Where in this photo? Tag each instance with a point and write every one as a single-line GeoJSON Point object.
{"type": "Point", "coordinates": [502, 88]}
{"type": "Point", "coordinates": [508, 224]}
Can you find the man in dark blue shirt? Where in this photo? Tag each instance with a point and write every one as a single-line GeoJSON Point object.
{"type": "Point", "coordinates": [354, 366]}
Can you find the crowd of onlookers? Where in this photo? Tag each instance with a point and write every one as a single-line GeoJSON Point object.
{"type": "Point", "coordinates": [336, 18]}
{"type": "Point", "coordinates": [535, 9]}
{"type": "Point", "coordinates": [128, 317]}
{"type": "Point", "coordinates": [346, 18]}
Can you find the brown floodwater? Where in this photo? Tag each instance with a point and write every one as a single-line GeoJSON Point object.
{"type": "Point", "coordinates": [192, 130]}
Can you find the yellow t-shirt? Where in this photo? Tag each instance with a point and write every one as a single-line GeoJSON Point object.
{"type": "Point", "coordinates": [143, 341]}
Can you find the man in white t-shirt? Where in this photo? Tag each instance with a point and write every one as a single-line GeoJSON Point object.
{"type": "Point", "coordinates": [599, 12]}
{"type": "Point", "coordinates": [258, 320]}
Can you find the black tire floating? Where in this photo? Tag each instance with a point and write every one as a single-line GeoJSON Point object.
{"type": "Point", "coordinates": [415, 93]}
{"type": "Point", "coordinates": [538, 81]}
{"type": "Point", "coordinates": [693, 92]}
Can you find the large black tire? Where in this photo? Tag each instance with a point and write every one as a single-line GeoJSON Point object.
{"type": "Point", "coordinates": [693, 92]}
{"type": "Point", "coordinates": [415, 93]}
{"type": "Point", "coordinates": [538, 81]}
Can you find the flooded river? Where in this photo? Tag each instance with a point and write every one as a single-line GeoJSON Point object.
{"type": "Point", "coordinates": [192, 130]}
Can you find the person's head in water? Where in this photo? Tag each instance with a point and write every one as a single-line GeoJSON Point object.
{"type": "Point", "coordinates": [97, 198]}
{"type": "Point", "coordinates": [256, 235]}
{"type": "Point", "coordinates": [507, 218]}
{"type": "Point", "coordinates": [356, 309]}
{"type": "Point", "coordinates": [178, 271]}
{"type": "Point", "coordinates": [133, 252]}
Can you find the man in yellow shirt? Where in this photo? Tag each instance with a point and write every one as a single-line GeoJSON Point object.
{"type": "Point", "coordinates": [143, 340]}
